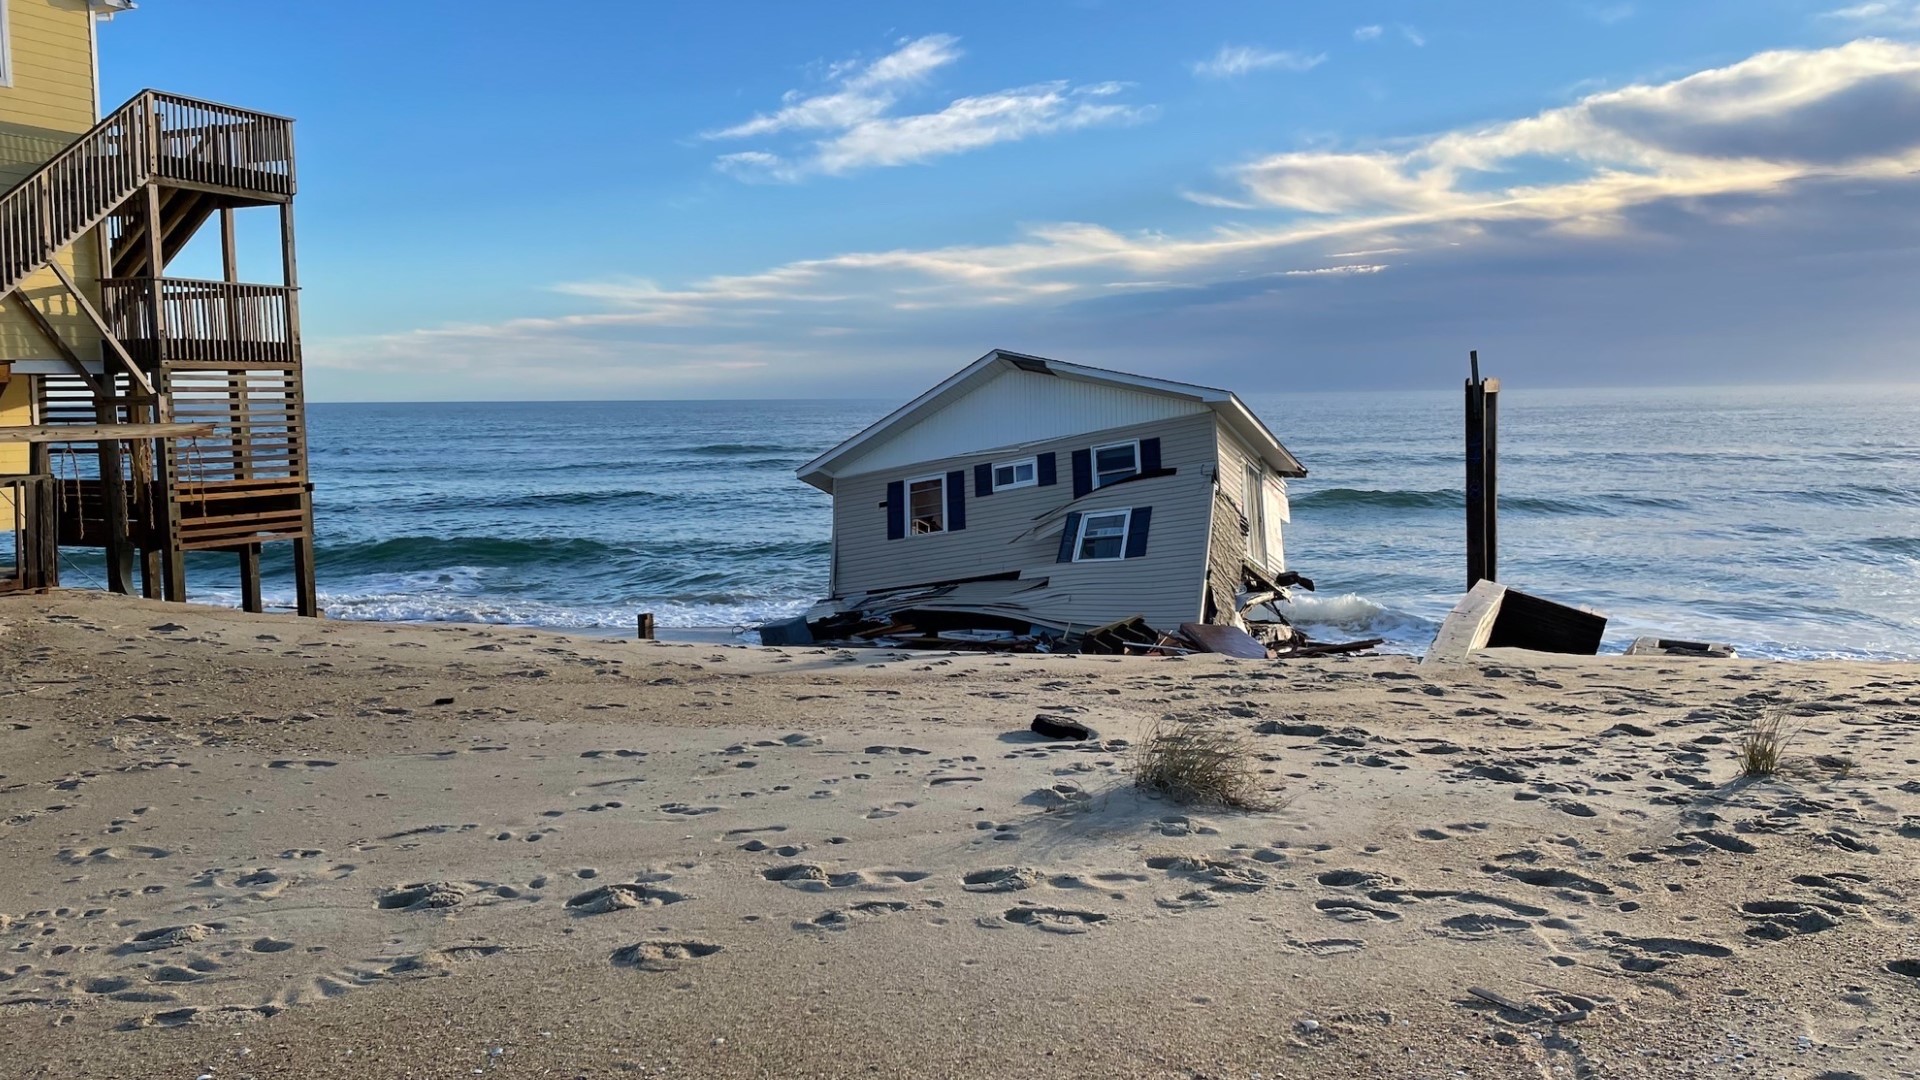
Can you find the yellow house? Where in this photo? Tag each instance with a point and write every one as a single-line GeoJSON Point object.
{"type": "Point", "coordinates": [155, 414]}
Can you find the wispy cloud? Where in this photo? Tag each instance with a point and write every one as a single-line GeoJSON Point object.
{"type": "Point", "coordinates": [1733, 137]}
{"type": "Point", "coordinates": [854, 125]}
{"type": "Point", "coordinates": [1233, 61]}
{"type": "Point", "coordinates": [1375, 32]}
{"type": "Point", "coordinates": [1881, 14]}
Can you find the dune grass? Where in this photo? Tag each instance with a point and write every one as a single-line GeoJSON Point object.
{"type": "Point", "coordinates": [1763, 745]}
{"type": "Point", "coordinates": [1199, 765]}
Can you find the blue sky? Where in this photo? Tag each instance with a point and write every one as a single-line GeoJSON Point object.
{"type": "Point", "coordinates": [786, 200]}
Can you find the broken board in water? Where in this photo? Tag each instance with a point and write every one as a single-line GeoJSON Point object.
{"type": "Point", "coordinates": [1225, 640]}
{"type": "Point", "coordinates": [1492, 616]}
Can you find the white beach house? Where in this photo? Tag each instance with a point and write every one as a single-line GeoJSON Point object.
{"type": "Point", "coordinates": [1035, 493]}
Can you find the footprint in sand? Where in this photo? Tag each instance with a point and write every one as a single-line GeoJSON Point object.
{"type": "Point", "coordinates": [890, 810]}
{"type": "Point", "coordinates": [623, 897]}
{"type": "Point", "coordinates": [437, 895]}
{"type": "Point", "coordinates": [813, 878]}
{"type": "Point", "coordinates": [847, 918]}
{"type": "Point", "coordinates": [658, 955]}
{"type": "Point", "coordinates": [296, 764]}
{"type": "Point", "coordinates": [170, 937]}
{"type": "Point", "coordinates": [77, 857]}
{"type": "Point", "coordinates": [208, 1015]}
{"type": "Point", "coordinates": [1055, 920]}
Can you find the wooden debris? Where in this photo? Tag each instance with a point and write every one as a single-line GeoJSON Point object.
{"type": "Point", "coordinates": [1226, 640]}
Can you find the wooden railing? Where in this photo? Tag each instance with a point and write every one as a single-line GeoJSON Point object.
{"type": "Point", "coordinates": [208, 321]}
{"type": "Point", "coordinates": [27, 517]}
{"type": "Point", "coordinates": [154, 136]}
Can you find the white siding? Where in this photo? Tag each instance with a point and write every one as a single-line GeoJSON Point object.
{"type": "Point", "coordinates": [1013, 408]}
{"type": "Point", "coordinates": [1234, 458]}
{"type": "Point", "coordinates": [1003, 532]}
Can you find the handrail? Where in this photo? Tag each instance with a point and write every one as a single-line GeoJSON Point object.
{"type": "Point", "coordinates": [153, 136]}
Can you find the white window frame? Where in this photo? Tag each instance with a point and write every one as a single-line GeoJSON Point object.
{"type": "Point", "coordinates": [908, 496]}
{"type": "Point", "coordinates": [1086, 519]}
{"type": "Point", "coordinates": [6, 46]}
{"type": "Point", "coordinates": [1133, 443]}
{"type": "Point", "coordinates": [1033, 465]}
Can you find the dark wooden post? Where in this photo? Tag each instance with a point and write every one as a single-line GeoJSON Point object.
{"type": "Point", "coordinates": [1483, 502]}
{"type": "Point", "coordinates": [306, 590]}
{"type": "Point", "coordinates": [173, 559]}
{"type": "Point", "coordinates": [250, 598]}
{"type": "Point", "coordinates": [646, 626]}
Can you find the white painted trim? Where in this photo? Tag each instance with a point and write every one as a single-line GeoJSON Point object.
{"type": "Point", "coordinates": [1094, 455]}
{"type": "Point", "coordinates": [6, 44]}
{"type": "Point", "coordinates": [1032, 462]}
{"type": "Point", "coordinates": [821, 471]}
{"type": "Point", "coordinates": [907, 496]}
{"type": "Point", "coordinates": [1086, 518]}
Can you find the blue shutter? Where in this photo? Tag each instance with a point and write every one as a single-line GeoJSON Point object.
{"type": "Point", "coordinates": [1149, 456]}
{"type": "Point", "coordinates": [1047, 477]}
{"type": "Point", "coordinates": [1068, 535]}
{"type": "Point", "coordinates": [956, 500]}
{"type": "Point", "coordinates": [896, 510]}
{"type": "Point", "coordinates": [1082, 472]}
{"type": "Point", "coordinates": [982, 480]}
{"type": "Point", "coordinates": [1137, 524]}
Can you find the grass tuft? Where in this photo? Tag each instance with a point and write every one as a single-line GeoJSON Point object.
{"type": "Point", "coordinates": [1763, 745]}
{"type": "Point", "coordinates": [1197, 765]}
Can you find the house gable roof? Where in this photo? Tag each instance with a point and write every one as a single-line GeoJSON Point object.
{"type": "Point", "coordinates": [864, 452]}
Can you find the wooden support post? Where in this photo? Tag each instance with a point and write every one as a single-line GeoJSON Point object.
{"type": "Point", "coordinates": [1483, 397]}
{"type": "Point", "coordinates": [173, 559]}
{"type": "Point", "coordinates": [113, 495]}
{"type": "Point", "coordinates": [250, 599]}
{"type": "Point", "coordinates": [306, 591]}
{"type": "Point", "coordinates": [646, 626]}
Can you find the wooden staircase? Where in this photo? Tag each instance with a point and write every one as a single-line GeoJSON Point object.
{"type": "Point", "coordinates": [224, 353]}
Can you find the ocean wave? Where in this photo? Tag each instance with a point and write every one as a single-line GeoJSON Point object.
{"type": "Point", "coordinates": [1605, 504]}
{"type": "Point", "coordinates": [1892, 545]}
{"type": "Point", "coordinates": [1354, 615]}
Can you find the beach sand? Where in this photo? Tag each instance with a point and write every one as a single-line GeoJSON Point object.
{"type": "Point", "coordinates": [256, 846]}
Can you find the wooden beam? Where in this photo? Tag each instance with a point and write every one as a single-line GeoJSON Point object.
{"type": "Point", "coordinates": [106, 332]}
{"type": "Point", "coordinates": [46, 433]}
{"type": "Point", "coordinates": [66, 352]}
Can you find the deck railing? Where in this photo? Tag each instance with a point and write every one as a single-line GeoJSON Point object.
{"type": "Point", "coordinates": [213, 321]}
{"type": "Point", "coordinates": [154, 136]}
{"type": "Point", "coordinates": [29, 530]}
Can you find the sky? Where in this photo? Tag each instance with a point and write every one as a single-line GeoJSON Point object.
{"type": "Point", "coordinates": [617, 201]}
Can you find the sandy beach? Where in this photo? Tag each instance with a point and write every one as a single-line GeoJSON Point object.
{"type": "Point", "coordinates": [256, 846]}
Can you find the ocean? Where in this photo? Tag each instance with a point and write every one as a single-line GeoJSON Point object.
{"type": "Point", "coordinates": [1785, 521]}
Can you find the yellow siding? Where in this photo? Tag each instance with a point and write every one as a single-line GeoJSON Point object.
{"type": "Point", "coordinates": [16, 410]}
{"type": "Point", "coordinates": [51, 101]}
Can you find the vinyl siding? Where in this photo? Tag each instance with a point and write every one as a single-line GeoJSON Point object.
{"type": "Point", "coordinates": [1001, 534]}
{"type": "Point", "coordinates": [50, 102]}
{"type": "Point", "coordinates": [1016, 407]}
{"type": "Point", "coordinates": [1234, 458]}
{"type": "Point", "coordinates": [16, 410]}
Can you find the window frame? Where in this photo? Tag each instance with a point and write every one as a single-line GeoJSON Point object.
{"type": "Point", "coordinates": [907, 496]}
{"type": "Point", "coordinates": [1032, 464]}
{"type": "Point", "coordinates": [1124, 513]}
{"type": "Point", "coordinates": [6, 45]}
{"type": "Point", "coordinates": [1133, 444]}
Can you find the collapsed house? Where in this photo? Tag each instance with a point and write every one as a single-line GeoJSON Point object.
{"type": "Point", "coordinates": [1029, 500]}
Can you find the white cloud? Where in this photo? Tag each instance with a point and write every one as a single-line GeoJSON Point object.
{"type": "Point", "coordinates": [1752, 131]}
{"type": "Point", "coordinates": [853, 125]}
{"type": "Point", "coordinates": [1413, 36]}
{"type": "Point", "coordinates": [1374, 32]}
{"type": "Point", "coordinates": [1368, 33]}
{"type": "Point", "coordinates": [1235, 60]}
{"type": "Point", "coordinates": [1881, 14]}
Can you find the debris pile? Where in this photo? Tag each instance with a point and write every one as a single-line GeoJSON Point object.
{"type": "Point", "coordinates": [987, 614]}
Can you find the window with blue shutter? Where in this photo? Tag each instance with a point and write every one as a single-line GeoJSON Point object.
{"type": "Point", "coordinates": [982, 481]}
{"type": "Point", "coordinates": [1149, 456]}
{"type": "Point", "coordinates": [1048, 477]}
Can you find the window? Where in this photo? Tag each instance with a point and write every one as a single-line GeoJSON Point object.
{"type": "Point", "coordinates": [1115, 462]}
{"type": "Point", "coordinates": [1103, 535]}
{"type": "Point", "coordinates": [1016, 474]}
{"type": "Point", "coordinates": [927, 505]}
